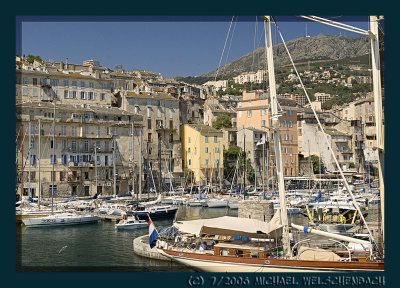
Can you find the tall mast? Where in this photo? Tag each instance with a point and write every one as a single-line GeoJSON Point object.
{"type": "Point", "coordinates": [114, 178]}
{"type": "Point", "coordinates": [54, 155]}
{"type": "Point", "coordinates": [244, 164]}
{"type": "Point", "coordinates": [38, 158]}
{"type": "Point", "coordinates": [140, 164]}
{"type": "Point", "coordinates": [277, 138]}
{"type": "Point", "coordinates": [376, 76]}
{"type": "Point", "coordinates": [133, 164]}
{"type": "Point", "coordinates": [29, 157]}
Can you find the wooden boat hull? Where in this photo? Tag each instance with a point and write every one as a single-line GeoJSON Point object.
{"type": "Point", "coordinates": [211, 263]}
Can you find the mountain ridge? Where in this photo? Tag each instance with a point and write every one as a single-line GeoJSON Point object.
{"type": "Point", "coordinates": [320, 46]}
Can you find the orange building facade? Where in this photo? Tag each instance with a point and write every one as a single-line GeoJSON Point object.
{"type": "Point", "coordinates": [254, 111]}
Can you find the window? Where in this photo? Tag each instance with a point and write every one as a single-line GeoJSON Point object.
{"type": "Point", "coordinates": [73, 146]}
{"type": "Point", "coordinates": [249, 113]}
{"type": "Point", "coordinates": [216, 150]}
{"type": "Point", "coordinates": [73, 94]}
{"type": "Point", "coordinates": [74, 83]}
{"type": "Point", "coordinates": [148, 102]}
{"type": "Point", "coordinates": [206, 162]}
{"type": "Point", "coordinates": [66, 95]}
{"type": "Point", "coordinates": [35, 92]}
{"type": "Point", "coordinates": [24, 91]}
{"type": "Point", "coordinates": [190, 162]}
{"type": "Point", "coordinates": [206, 149]}
{"type": "Point", "coordinates": [148, 112]}
{"type": "Point", "coordinates": [82, 84]}
{"type": "Point", "coordinates": [130, 145]}
{"type": "Point", "coordinates": [115, 131]}
{"type": "Point", "coordinates": [86, 146]}
{"type": "Point", "coordinates": [102, 96]}
{"type": "Point", "coordinates": [240, 114]}
{"type": "Point", "coordinates": [206, 139]}
{"type": "Point", "coordinates": [53, 159]}
{"type": "Point", "coordinates": [103, 86]}
{"type": "Point", "coordinates": [148, 123]}
{"type": "Point", "coordinates": [239, 253]}
{"type": "Point", "coordinates": [90, 96]}
{"type": "Point", "coordinates": [91, 85]}
{"type": "Point", "coordinates": [34, 81]}
{"type": "Point", "coordinates": [97, 131]}
{"type": "Point", "coordinates": [63, 130]}
{"type": "Point", "coordinates": [170, 114]}
{"type": "Point", "coordinates": [66, 84]}
{"type": "Point", "coordinates": [189, 150]}
{"type": "Point", "coordinates": [188, 139]}
{"type": "Point", "coordinates": [149, 137]}
{"type": "Point", "coordinates": [55, 82]}
{"type": "Point", "coordinates": [223, 252]}
{"type": "Point", "coordinates": [106, 146]}
{"type": "Point", "coordinates": [136, 109]}
{"type": "Point", "coordinates": [159, 112]}
{"type": "Point", "coordinates": [74, 131]}
{"type": "Point", "coordinates": [216, 163]}
{"type": "Point", "coordinates": [83, 95]}
{"type": "Point", "coordinates": [215, 139]}
{"type": "Point", "coordinates": [263, 123]}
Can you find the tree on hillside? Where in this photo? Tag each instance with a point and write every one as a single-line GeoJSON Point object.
{"type": "Point", "coordinates": [222, 121]}
{"type": "Point", "coordinates": [31, 58]}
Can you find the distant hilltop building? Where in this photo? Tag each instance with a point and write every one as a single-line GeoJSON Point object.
{"type": "Point", "coordinates": [253, 77]}
{"type": "Point", "coordinates": [220, 84]}
{"type": "Point", "coordinates": [91, 63]}
{"type": "Point", "coordinates": [322, 97]}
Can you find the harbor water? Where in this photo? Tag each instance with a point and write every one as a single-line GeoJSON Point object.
{"type": "Point", "coordinates": [100, 246]}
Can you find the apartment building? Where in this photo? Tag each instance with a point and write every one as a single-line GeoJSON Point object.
{"type": "Point", "coordinates": [68, 87]}
{"type": "Point", "coordinates": [84, 154]}
{"type": "Point", "coordinates": [161, 133]}
{"type": "Point", "coordinates": [253, 111]}
{"type": "Point", "coordinates": [213, 108]}
{"type": "Point", "coordinates": [247, 139]}
{"type": "Point", "coordinates": [314, 143]}
{"type": "Point", "coordinates": [254, 77]}
{"type": "Point", "coordinates": [202, 153]}
{"type": "Point", "coordinates": [322, 97]}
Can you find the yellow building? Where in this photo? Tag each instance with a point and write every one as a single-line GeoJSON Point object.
{"type": "Point", "coordinates": [202, 153]}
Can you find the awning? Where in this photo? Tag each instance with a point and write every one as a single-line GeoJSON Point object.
{"type": "Point", "coordinates": [234, 226]}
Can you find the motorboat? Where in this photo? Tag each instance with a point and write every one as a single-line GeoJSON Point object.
{"type": "Point", "coordinates": [131, 223]}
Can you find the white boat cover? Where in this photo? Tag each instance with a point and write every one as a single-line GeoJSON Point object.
{"type": "Point", "coordinates": [228, 225]}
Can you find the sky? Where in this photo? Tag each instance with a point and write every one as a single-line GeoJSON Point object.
{"type": "Point", "coordinates": [171, 46]}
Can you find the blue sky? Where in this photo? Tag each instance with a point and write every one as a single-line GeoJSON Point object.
{"type": "Point", "coordinates": [186, 46]}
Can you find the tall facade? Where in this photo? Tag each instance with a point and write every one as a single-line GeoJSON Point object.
{"type": "Point", "coordinates": [88, 144]}
{"type": "Point", "coordinates": [202, 153]}
{"type": "Point", "coordinates": [253, 111]}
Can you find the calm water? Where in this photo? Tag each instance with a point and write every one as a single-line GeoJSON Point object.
{"type": "Point", "coordinates": [99, 246]}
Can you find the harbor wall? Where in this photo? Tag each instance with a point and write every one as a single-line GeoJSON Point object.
{"type": "Point", "coordinates": [141, 247]}
{"type": "Point", "coordinates": [261, 210]}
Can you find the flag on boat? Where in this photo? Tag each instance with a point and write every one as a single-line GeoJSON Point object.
{"type": "Point", "coordinates": [261, 141]}
{"type": "Point", "coordinates": [152, 233]}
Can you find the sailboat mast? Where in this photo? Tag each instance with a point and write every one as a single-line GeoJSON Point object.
{"type": "Point", "coordinates": [140, 164]}
{"type": "Point", "coordinates": [114, 178]}
{"type": "Point", "coordinates": [54, 155]}
{"type": "Point", "coordinates": [39, 184]}
{"type": "Point", "coordinates": [376, 76]}
{"type": "Point", "coordinates": [29, 157]}
{"type": "Point", "coordinates": [133, 163]}
{"type": "Point", "coordinates": [277, 139]}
